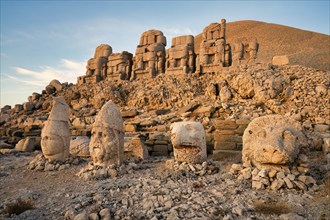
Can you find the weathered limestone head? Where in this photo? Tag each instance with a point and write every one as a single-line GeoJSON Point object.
{"type": "Point", "coordinates": [272, 141]}
{"type": "Point", "coordinates": [188, 140]}
{"type": "Point", "coordinates": [103, 50]}
{"type": "Point", "coordinates": [107, 142]}
{"type": "Point", "coordinates": [55, 135]}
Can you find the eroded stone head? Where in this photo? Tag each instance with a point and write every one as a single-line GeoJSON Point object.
{"type": "Point", "coordinates": [188, 140]}
{"type": "Point", "coordinates": [107, 142]}
{"type": "Point", "coordinates": [55, 135]}
{"type": "Point", "coordinates": [272, 141]}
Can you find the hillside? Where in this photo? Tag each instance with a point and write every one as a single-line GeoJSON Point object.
{"type": "Point", "coordinates": [304, 48]}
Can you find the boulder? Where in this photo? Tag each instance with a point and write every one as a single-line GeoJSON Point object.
{"type": "Point", "coordinates": [28, 106]}
{"type": "Point", "coordinates": [50, 89]}
{"type": "Point", "coordinates": [27, 144]}
{"type": "Point", "coordinates": [56, 84]}
{"type": "Point", "coordinates": [280, 60]}
{"type": "Point", "coordinates": [79, 146]}
{"type": "Point", "coordinates": [136, 148]}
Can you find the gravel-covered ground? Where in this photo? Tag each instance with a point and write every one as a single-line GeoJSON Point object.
{"type": "Point", "coordinates": [151, 190]}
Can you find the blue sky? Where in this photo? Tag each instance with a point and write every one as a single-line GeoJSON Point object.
{"type": "Point", "coordinates": [43, 40]}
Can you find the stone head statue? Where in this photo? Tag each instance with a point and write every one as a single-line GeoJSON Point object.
{"type": "Point", "coordinates": [102, 50]}
{"type": "Point", "coordinates": [55, 135]}
{"type": "Point", "coordinates": [188, 140]}
{"type": "Point", "coordinates": [107, 142]}
{"type": "Point", "coordinates": [272, 141]}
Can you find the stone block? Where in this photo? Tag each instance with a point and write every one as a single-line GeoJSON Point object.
{"type": "Point", "coordinates": [227, 138]}
{"type": "Point", "coordinates": [189, 108]}
{"type": "Point", "coordinates": [225, 146]}
{"type": "Point", "coordinates": [159, 153]}
{"type": "Point", "coordinates": [242, 122]}
{"type": "Point", "coordinates": [160, 148]}
{"type": "Point", "coordinates": [280, 60]}
{"type": "Point", "coordinates": [226, 154]}
{"type": "Point", "coordinates": [161, 142]}
{"type": "Point", "coordinates": [129, 113]}
{"type": "Point", "coordinates": [130, 128]}
{"type": "Point", "coordinates": [226, 126]}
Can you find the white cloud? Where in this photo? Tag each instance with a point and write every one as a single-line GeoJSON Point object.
{"type": "Point", "coordinates": [67, 71]}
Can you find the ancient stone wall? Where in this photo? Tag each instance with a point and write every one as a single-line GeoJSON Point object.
{"type": "Point", "coordinates": [228, 137]}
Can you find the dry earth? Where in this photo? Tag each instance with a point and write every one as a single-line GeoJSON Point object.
{"type": "Point", "coordinates": [149, 190]}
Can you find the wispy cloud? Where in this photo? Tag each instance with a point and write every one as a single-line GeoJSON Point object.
{"type": "Point", "coordinates": [66, 71]}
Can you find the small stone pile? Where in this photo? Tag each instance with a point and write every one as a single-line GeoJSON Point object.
{"type": "Point", "coordinates": [206, 168]}
{"type": "Point", "coordinates": [295, 178]}
{"type": "Point", "coordinates": [92, 172]}
{"type": "Point", "coordinates": [40, 163]}
{"type": "Point", "coordinates": [97, 214]}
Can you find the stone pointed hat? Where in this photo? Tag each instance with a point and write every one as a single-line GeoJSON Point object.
{"type": "Point", "coordinates": [60, 110]}
{"type": "Point", "coordinates": [109, 116]}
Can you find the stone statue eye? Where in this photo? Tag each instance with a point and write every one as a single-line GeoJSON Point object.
{"type": "Point", "coordinates": [262, 134]}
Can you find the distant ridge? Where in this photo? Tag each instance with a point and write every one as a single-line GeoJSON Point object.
{"type": "Point", "coordinates": [305, 48]}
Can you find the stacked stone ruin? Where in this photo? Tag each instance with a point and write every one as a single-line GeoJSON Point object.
{"type": "Point", "coordinates": [212, 55]}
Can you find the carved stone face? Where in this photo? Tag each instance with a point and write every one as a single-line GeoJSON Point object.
{"type": "Point", "coordinates": [55, 135]}
{"type": "Point", "coordinates": [272, 142]}
{"type": "Point", "coordinates": [277, 146]}
{"type": "Point", "coordinates": [56, 148]}
{"type": "Point", "coordinates": [104, 146]}
{"type": "Point", "coordinates": [188, 139]}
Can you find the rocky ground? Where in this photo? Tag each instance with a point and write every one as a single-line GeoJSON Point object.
{"type": "Point", "coordinates": [156, 188]}
{"type": "Point", "coordinates": [152, 189]}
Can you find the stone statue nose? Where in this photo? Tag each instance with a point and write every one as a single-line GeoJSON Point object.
{"type": "Point", "coordinates": [270, 149]}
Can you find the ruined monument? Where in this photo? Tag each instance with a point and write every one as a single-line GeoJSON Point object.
{"type": "Point", "coordinates": [188, 140]}
{"type": "Point", "coordinates": [149, 59]}
{"type": "Point", "coordinates": [119, 66]}
{"type": "Point", "coordinates": [214, 52]}
{"type": "Point", "coordinates": [180, 58]}
{"type": "Point", "coordinates": [97, 66]}
{"type": "Point", "coordinates": [272, 141]}
{"type": "Point", "coordinates": [107, 142]}
{"type": "Point", "coordinates": [55, 135]}
{"type": "Point", "coordinates": [244, 52]}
